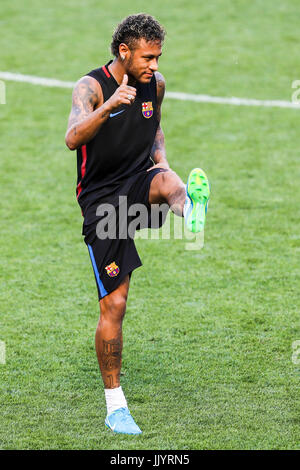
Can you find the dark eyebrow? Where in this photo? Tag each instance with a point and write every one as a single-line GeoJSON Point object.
{"type": "Point", "coordinates": [150, 56]}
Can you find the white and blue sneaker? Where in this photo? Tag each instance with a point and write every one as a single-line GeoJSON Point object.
{"type": "Point", "coordinates": [121, 421]}
{"type": "Point", "coordinates": [195, 208]}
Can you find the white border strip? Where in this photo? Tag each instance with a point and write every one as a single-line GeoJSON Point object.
{"type": "Point", "coordinates": [50, 82]}
{"type": "Point", "coordinates": [17, 77]}
{"type": "Point", "coordinates": [232, 100]}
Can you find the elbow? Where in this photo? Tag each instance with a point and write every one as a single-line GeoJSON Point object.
{"type": "Point", "coordinates": [69, 143]}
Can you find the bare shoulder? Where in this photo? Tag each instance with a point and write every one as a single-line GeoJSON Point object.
{"type": "Point", "coordinates": [160, 79]}
{"type": "Point", "coordinates": [87, 96]}
{"type": "Point", "coordinates": [88, 92]}
{"type": "Point", "coordinates": [160, 86]}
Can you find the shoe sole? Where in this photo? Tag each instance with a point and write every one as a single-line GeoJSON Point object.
{"type": "Point", "coordinates": [198, 191]}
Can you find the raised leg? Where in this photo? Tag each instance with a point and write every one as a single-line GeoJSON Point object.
{"type": "Point", "coordinates": [167, 187]}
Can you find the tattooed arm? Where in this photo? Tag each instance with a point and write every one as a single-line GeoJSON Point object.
{"type": "Point", "coordinates": [158, 152]}
{"type": "Point", "coordinates": [88, 111]}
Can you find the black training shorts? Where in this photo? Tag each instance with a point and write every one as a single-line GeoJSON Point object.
{"type": "Point", "coordinates": [114, 258]}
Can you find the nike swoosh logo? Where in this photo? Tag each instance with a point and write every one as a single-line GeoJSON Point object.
{"type": "Point", "coordinates": [115, 114]}
{"type": "Point", "coordinates": [112, 427]}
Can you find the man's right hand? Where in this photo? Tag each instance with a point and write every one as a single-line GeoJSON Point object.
{"type": "Point", "coordinates": [123, 95]}
{"type": "Point", "coordinates": [88, 111]}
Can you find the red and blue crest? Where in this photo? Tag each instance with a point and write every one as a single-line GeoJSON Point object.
{"type": "Point", "coordinates": [112, 269]}
{"type": "Point", "coordinates": [147, 109]}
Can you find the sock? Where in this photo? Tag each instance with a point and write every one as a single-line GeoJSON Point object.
{"type": "Point", "coordinates": [115, 399]}
{"type": "Point", "coordinates": [186, 206]}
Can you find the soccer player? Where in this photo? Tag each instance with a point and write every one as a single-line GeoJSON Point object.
{"type": "Point", "coordinates": [114, 125]}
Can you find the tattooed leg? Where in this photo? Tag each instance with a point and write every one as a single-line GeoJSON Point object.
{"type": "Point", "coordinates": [109, 339]}
{"type": "Point", "coordinates": [168, 187]}
{"type": "Point", "coordinates": [111, 361]}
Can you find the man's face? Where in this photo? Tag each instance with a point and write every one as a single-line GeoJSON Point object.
{"type": "Point", "coordinates": [143, 60]}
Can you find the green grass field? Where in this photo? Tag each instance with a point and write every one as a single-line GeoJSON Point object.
{"type": "Point", "coordinates": [208, 334]}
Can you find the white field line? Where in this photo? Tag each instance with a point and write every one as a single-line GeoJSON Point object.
{"type": "Point", "coordinates": [232, 100]}
{"type": "Point", "coordinates": [50, 82]}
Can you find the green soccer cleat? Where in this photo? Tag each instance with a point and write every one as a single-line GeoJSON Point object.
{"type": "Point", "coordinates": [195, 208]}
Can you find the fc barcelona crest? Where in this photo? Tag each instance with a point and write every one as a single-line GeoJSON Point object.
{"type": "Point", "coordinates": [147, 109]}
{"type": "Point", "coordinates": [112, 269]}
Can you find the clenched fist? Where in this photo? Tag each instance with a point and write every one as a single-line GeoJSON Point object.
{"type": "Point", "coordinates": [123, 95]}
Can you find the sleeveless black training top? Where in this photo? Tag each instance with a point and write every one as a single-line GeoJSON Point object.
{"type": "Point", "coordinates": [123, 144]}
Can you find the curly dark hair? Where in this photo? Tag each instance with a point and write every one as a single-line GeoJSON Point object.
{"type": "Point", "coordinates": [135, 27]}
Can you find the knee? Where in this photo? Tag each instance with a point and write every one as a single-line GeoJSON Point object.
{"type": "Point", "coordinates": [172, 185]}
{"type": "Point", "coordinates": [113, 307]}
